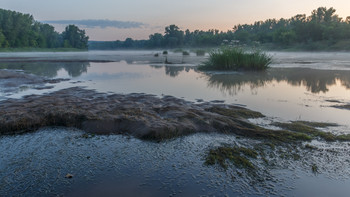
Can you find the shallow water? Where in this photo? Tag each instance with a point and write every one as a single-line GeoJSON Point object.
{"type": "Point", "coordinates": [36, 164]}
{"type": "Point", "coordinates": [298, 86]}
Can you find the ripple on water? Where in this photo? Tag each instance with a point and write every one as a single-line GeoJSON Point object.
{"type": "Point", "coordinates": [37, 163]}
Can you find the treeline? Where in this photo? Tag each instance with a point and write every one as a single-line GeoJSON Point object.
{"type": "Point", "coordinates": [19, 30]}
{"type": "Point", "coordinates": [323, 28]}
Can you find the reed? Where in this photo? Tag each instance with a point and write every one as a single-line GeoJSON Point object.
{"type": "Point", "coordinates": [231, 58]}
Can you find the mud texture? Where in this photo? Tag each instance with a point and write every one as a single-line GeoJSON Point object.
{"type": "Point", "coordinates": [140, 115]}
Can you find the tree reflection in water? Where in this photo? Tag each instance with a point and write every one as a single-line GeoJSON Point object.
{"type": "Point", "coordinates": [48, 69]}
{"type": "Point", "coordinates": [316, 81]}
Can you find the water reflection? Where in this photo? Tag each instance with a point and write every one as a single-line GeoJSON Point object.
{"type": "Point", "coordinates": [48, 69]}
{"type": "Point", "coordinates": [316, 81]}
{"type": "Point", "coordinates": [173, 71]}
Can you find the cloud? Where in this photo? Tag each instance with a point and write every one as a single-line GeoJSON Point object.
{"type": "Point", "coordinates": [93, 23]}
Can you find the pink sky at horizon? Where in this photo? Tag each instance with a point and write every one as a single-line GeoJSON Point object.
{"type": "Point", "coordinates": [157, 14]}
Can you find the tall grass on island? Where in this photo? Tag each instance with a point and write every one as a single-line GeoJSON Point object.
{"type": "Point", "coordinates": [234, 58]}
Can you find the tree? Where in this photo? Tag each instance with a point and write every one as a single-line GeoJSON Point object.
{"type": "Point", "coordinates": [2, 40]}
{"type": "Point", "coordinates": [173, 36]}
{"type": "Point", "coordinates": [21, 30]}
{"type": "Point", "coordinates": [75, 38]}
{"type": "Point", "coordinates": [128, 43]}
{"type": "Point", "coordinates": [155, 40]}
{"type": "Point", "coordinates": [347, 20]}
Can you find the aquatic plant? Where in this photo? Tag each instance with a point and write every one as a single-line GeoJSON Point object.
{"type": "Point", "coordinates": [200, 52]}
{"type": "Point", "coordinates": [233, 58]}
{"type": "Point", "coordinates": [310, 129]}
{"type": "Point", "coordinates": [178, 50]}
{"type": "Point", "coordinates": [185, 53]}
{"type": "Point", "coordinates": [237, 155]}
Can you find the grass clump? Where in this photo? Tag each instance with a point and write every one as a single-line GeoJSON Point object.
{"type": "Point", "coordinates": [165, 52]}
{"type": "Point", "coordinates": [185, 53]}
{"type": "Point", "coordinates": [200, 52]}
{"type": "Point", "coordinates": [231, 58]}
{"type": "Point", "coordinates": [236, 155]}
{"type": "Point", "coordinates": [309, 128]}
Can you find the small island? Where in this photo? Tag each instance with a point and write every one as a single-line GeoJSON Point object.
{"type": "Point", "coordinates": [233, 58]}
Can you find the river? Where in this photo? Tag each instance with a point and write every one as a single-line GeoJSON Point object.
{"type": "Point", "coordinates": [298, 86]}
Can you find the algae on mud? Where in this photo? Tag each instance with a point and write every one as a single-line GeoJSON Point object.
{"type": "Point", "coordinates": [310, 128]}
{"type": "Point", "coordinates": [238, 155]}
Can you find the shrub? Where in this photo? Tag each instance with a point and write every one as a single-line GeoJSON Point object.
{"type": "Point", "coordinates": [200, 52]}
{"type": "Point", "coordinates": [185, 53]}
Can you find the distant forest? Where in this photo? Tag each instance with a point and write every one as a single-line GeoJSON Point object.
{"type": "Point", "coordinates": [322, 30]}
{"type": "Point", "coordinates": [19, 30]}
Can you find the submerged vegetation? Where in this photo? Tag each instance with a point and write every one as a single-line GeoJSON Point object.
{"type": "Point", "coordinates": [237, 155]}
{"type": "Point", "coordinates": [310, 129]}
{"type": "Point", "coordinates": [233, 58]}
{"type": "Point", "coordinates": [283, 144]}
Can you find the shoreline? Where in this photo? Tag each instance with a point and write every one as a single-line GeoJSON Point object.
{"type": "Point", "coordinates": [146, 116]}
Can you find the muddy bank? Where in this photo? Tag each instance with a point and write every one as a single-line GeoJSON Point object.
{"type": "Point", "coordinates": [141, 115]}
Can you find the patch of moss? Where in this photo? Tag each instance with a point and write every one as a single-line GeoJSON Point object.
{"type": "Point", "coordinates": [316, 124]}
{"type": "Point", "coordinates": [283, 136]}
{"type": "Point", "coordinates": [236, 112]}
{"type": "Point", "coordinates": [237, 155]}
{"type": "Point", "coordinates": [308, 146]}
{"type": "Point", "coordinates": [248, 152]}
{"type": "Point", "coordinates": [344, 137]}
{"type": "Point", "coordinates": [309, 129]}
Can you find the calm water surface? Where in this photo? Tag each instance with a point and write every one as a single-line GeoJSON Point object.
{"type": "Point", "coordinates": [298, 86]}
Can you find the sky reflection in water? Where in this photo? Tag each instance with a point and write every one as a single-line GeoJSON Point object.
{"type": "Point", "coordinates": [282, 93]}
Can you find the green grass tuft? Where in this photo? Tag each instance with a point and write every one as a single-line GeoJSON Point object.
{"type": "Point", "coordinates": [230, 58]}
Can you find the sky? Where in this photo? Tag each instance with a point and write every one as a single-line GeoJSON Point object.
{"type": "Point", "coordinates": [137, 19]}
